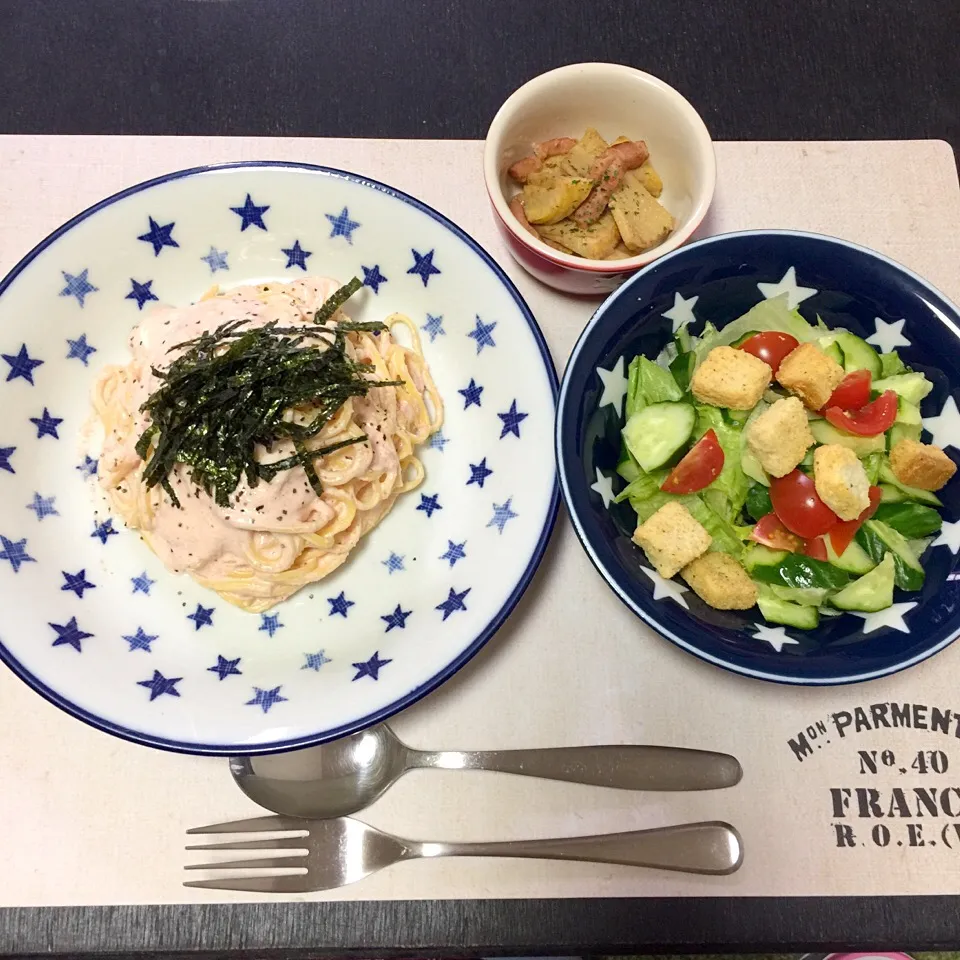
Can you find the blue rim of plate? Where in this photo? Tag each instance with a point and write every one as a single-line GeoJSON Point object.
{"type": "Point", "coordinates": [418, 693]}
{"type": "Point", "coordinates": [559, 431]}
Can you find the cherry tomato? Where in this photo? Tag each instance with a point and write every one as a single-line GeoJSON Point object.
{"type": "Point", "coordinates": [868, 421]}
{"type": "Point", "coordinates": [815, 548]}
{"type": "Point", "coordinates": [772, 533]}
{"type": "Point", "coordinates": [853, 391]}
{"type": "Point", "coordinates": [795, 502]}
{"type": "Point", "coordinates": [842, 534]}
{"type": "Point", "coordinates": [698, 469]}
{"type": "Point", "coordinates": [770, 347]}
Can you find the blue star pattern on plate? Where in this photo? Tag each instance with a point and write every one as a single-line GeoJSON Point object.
{"type": "Point", "coordinates": [78, 285]}
{"type": "Point", "coordinates": [103, 530]}
{"type": "Point", "coordinates": [393, 563]}
{"type": "Point", "coordinates": [265, 699]}
{"type": "Point", "coordinates": [140, 640]}
{"type": "Point", "coordinates": [69, 634]}
{"type": "Point", "coordinates": [423, 265]}
{"type": "Point", "coordinates": [141, 292]}
{"type": "Point", "coordinates": [511, 421]}
{"type": "Point", "coordinates": [158, 236]}
{"type": "Point", "coordinates": [216, 260]}
{"type": "Point", "coordinates": [47, 425]}
{"type": "Point", "coordinates": [87, 466]}
{"type": "Point", "coordinates": [437, 442]}
{"type": "Point", "coordinates": [479, 473]}
{"type": "Point", "coordinates": [342, 225]}
{"type": "Point", "coordinates": [43, 506]}
{"type": "Point", "coordinates": [340, 604]}
{"type": "Point", "coordinates": [201, 617]}
{"type": "Point", "coordinates": [373, 278]}
{"type": "Point", "coordinates": [296, 255]}
{"type": "Point", "coordinates": [80, 349]}
{"type": "Point", "coordinates": [158, 685]}
{"type": "Point", "coordinates": [270, 622]}
{"type": "Point", "coordinates": [21, 365]}
{"type": "Point", "coordinates": [471, 394]}
{"type": "Point", "coordinates": [429, 504]}
{"type": "Point", "coordinates": [314, 661]}
{"type": "Point", "coordinates": [434, 327]}
{"type": "Point", "coordinates": [482, 333]}
{"type": "Point", "coordinates": [15, 551]}
{"type": "Point", "coordinates": [454, 552]}
{"type": "Point", "coordinates": [453, 602]}
{"type": "Point", "coordinates": [502, 514]}
{"type": "Point", "coordinates": [77, 582]}
{"type": "Point", "coordinates": [396, 619]}
{"type": "Point", "coordinates": [224, 668]}
{"type": "Point", "coordinates": [5, 454]}
{"type": "Point", "coordinates": [372, 667]}
{"type": "Point", "coordinates": [250, 214]}
{"type": "Point", "coordinates": [142, 584]}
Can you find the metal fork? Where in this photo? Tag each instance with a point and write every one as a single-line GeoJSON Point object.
{"type": "Point", "coordinates": [333, 853]}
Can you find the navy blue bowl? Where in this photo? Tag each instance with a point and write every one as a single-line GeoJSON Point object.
{"type": "Point", "coordinates": [847, 286]}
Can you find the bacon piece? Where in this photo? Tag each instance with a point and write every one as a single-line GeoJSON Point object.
{"type": "Point", "coordinates": [523, 168]}
{"type": "Point", "coordinates": [554, 147]}
{"type": "Point", "coordinates": [607, 173]}
{"type": "Point", "coordinates": [516, 208]}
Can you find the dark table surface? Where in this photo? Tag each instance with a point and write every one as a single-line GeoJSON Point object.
{"type": "Point", "coordinates": [778, 69]}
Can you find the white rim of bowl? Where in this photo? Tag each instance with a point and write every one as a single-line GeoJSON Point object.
{"type": "Point", "coordinates": [491, 176]}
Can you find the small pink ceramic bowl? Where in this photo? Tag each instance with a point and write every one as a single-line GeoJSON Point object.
{"type": "Point", "coordinates": [616, 100]}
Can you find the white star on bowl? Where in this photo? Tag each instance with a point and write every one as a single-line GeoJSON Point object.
{"type": "Point", "coordinates": [788, 285]}
{"type": "Point", "coordinates": [775, 636]}
{"type": "Point", "coordinates": [614, 385]}
{"type": "Point", "coordinates": [891, 617]}
{"type": "Point", "coordinates": [681, 312]}
{"type": "Point", "coordinates": [603, 486]}
{"type": "Point", "coordinates": [666, 589]}
{"type": "Point", "coordinates": [945, 427]}
{"type": "Point", "coordinates": [949, 536]}
{"type": "Point", "coordinates": [889, 336]}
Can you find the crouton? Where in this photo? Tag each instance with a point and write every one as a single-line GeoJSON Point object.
{"type": "Point", "coordinates": [841, 480]}
{"type": "Point", "coordinates": [809, 373]}
{"type": "Point", "coordinates": [672, 538]}
{"type": "Point", "coordinates": [921, 465]}
{"type": "Point", "coordinates": [730, 378]}
{"type": "Point", "coordinates": [780, 436]}
{"type": "Point", "coordinates": [718, 580]}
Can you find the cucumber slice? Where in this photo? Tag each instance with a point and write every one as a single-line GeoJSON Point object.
{"type": "Point", "coordinates": [830, 347]}
{"type": "Point", "coordinates": [891, 494]}
{"type": "Point", "coordinates": [757, 555]}
{"type": "Point", "coordinates": [740, 341]}
{"type": "Point", "coordinates": [776, 610]}
{"type": "Point", "coordinates": [871, 592]}
{"type": "Point", "coordinates": [825, 432]}
{"type": "Point", "coordinates": [657, 432]}
{"type": "Point", "coordinates": [805, 596]}
{"type": "Point", "coordinates": [908, 412]}
{"type": "Point", "coordinates": [795, 570]}
{"type": "Point", "coordinates": [910, 519]}
{"type": "Point", "coordinates": [907, 572]}
{"type": "Point", "coordinates": [904, 431]}
{"type": "Point", "coordinates": [913, 387]}
{"type": "Point", "coordinates": [858, 354]}
{"type": "Point", "coordinates": [888, 477]}
{"type": "Point", "coordinates": [854, 559]}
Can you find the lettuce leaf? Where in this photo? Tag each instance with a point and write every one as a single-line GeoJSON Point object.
{"type": "Point", "coordinates": [773, 314]}
{"type": "Point", "coordinates": [732, 484]}
{"type": "Point", "coordinates": [648, 383]}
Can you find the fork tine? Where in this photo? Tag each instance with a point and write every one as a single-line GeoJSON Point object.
{"type": "Point", "coordinates": [265, 863]}
{"type": "Point", "coordinates": [292, 883]}
{"type": "Point", "coordinates": [281, 843]}
{"type": "Point", "coordinates": [254, 825]}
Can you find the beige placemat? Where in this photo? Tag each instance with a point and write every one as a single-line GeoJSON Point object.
{"type": "Point", "coordinates": [89, 819]}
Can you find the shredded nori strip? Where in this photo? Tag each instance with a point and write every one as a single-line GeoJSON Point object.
{"type": "Point", "coordinates": [229, 390]}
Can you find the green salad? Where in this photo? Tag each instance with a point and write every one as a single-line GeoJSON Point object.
{"type": "Point", "coordinates": [779, 463]}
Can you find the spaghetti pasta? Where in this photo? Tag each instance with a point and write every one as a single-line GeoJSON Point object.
{"type": "Point", "coordinates": [274, 536]}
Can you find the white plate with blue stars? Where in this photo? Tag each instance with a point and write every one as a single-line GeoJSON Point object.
{"type": "Point", "coordinates": [95, 623]}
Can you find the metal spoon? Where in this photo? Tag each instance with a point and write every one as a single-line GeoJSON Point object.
{"type": "Point", "coordinates": [338, 778]}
